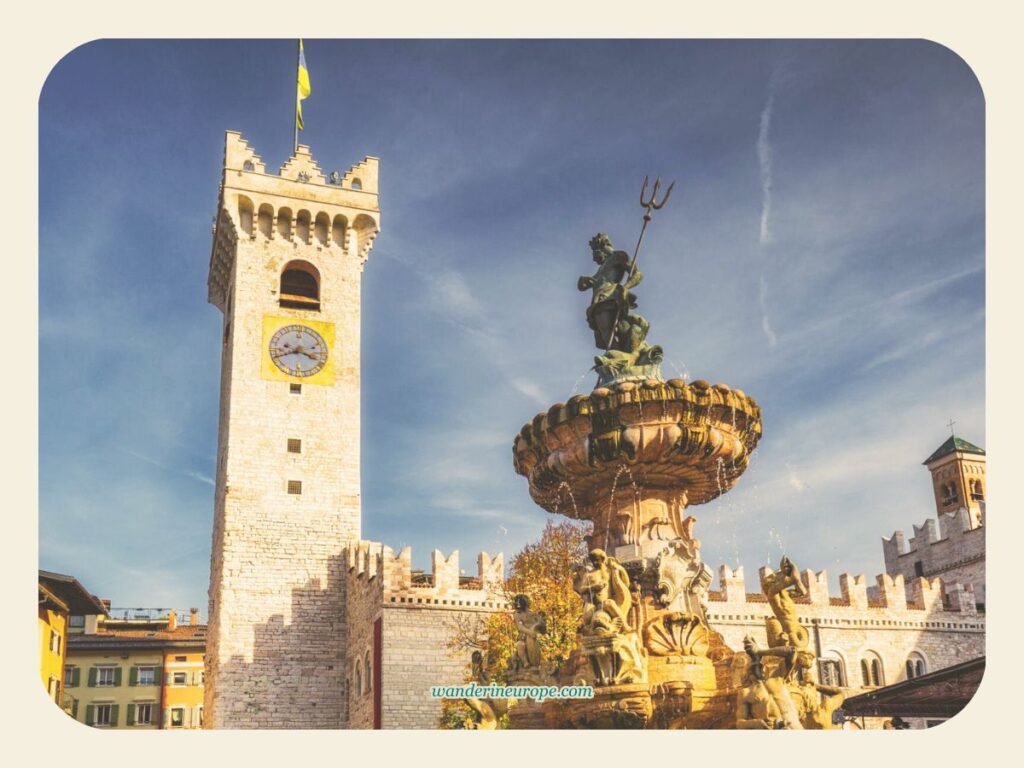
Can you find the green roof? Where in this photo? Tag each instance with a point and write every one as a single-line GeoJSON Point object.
{"type": "Point", "coordinates": [952, 445]}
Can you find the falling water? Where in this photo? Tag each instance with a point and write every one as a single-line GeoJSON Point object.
{"type": "Point", "coordinates": [684, 373]}
{"type": "Point", "coordinates": [611, 503]}
{"type": "Point", "coordinates": [575, 510]}
{"type": "Point", "coordinates": [576, 386]}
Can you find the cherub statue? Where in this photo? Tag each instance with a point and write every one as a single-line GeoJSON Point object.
{"type": "Point", "coordinates": [604, 586]}
{"type": "Point", "coordinates": [530, 625]}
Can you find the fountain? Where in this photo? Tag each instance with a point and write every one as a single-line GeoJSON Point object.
{"type": "Point", "coordinates": [631, 457]}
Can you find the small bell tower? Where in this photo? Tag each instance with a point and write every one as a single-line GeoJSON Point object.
{"type": "Point", "coordinates": [958, 478]}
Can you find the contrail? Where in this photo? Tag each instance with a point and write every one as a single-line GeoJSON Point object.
{"type": "Point", "coordinates": [764, 158]}
{"type": "Point", "coordinates": [763, 296]}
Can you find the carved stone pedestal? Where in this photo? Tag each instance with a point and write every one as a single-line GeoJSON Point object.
{"type": "Point", "coordinates": [615, 706]}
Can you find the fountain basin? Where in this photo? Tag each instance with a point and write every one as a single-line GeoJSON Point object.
{"type": "Point", "coordinates": [632, 457]}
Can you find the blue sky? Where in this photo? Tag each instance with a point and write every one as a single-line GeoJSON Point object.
{"type": "Point", "coordinates": [823, 251]}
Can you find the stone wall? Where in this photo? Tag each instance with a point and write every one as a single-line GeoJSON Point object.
{"type": "Point", "coordinates": [952, 547]}
{"type": "Point", "coordinates": [419, 615]}
{"type": "Point", "coordinates": [864, 623]}
{"type": "Point", "coordinates": [276, 651]}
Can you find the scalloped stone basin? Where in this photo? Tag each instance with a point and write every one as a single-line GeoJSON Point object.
{"type": "Point", "coordinates": [632, 457]}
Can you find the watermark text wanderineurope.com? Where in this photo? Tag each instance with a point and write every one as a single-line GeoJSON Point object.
{"type": "Point", "coordinates": [494, 691]}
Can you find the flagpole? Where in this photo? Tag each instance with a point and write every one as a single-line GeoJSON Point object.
{"type": "Point", "coordinates": [295, 111]}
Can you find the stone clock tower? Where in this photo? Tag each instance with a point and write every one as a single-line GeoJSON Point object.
{"type": "Point", "coordinates": [286, 271]}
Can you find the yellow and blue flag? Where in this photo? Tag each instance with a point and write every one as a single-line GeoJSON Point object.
{"type": "Point", "coordinates": [303, 88]}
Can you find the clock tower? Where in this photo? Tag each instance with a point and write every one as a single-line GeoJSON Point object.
{"type": "Point", "coordinates": [286, 271]}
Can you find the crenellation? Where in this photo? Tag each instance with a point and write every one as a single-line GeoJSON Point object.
{"type": "Point", "coordinates": [490, 571]}
{"type": "Point", "coordinates": [951, 546]}
{"type": "Point", "coordinates": [926, 594]}
{"type": "Point", "coordinates": [817, 587]}
{"type": "Point", "coordinates": [927, 533]}
{"type": "Point", "coordinates": [961, 598]}
{"type": "Point", "coordinates": [300, 163]}
{"type": "Point", "coordinates": [237, 153]}
{"type": "Point", "coordinates": [445, 571]}
{"type": "Point", "coordinates": [892, 592]}
{"type": "Point", "coordinates": [732, 584]}
{"type": "Point", "coordinates": [855, 590]}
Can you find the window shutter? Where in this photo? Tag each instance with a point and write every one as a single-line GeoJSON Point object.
{"type": "Point", "coordinates": [90, 714]}
{"type": "Point", "coordinates": [117, 676]}
{"type": "Point", "coordinates": [157, 672]}
{"type": "Point", "coordinates": [76, 677]}
{"type": "Point", "coordinates": [133, 676]}
{"type": "Point", "coordinates": [131, 714]}
{"type": "Point", "coordinates": [74, 709]}
{"type": "Point", "coordinates": [113, 715]}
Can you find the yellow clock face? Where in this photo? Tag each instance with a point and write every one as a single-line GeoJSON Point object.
{"type": "Point", "coordinates": [298, 350]}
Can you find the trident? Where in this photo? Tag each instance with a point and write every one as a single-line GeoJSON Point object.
{"type": "Point", "coordinates": [651, 205]}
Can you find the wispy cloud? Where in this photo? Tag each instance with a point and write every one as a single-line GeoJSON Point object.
{"type": "Point", "coordinates": [764, 159]}
{"type": "Point", "coordinates": [201, 477]}
{"type": "Point", "coordinates": [531, 390]}
{"type": "Point", "coordinates": [762, 296]}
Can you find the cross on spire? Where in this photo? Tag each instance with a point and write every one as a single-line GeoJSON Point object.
{"type": "Point", "coordinates": [950, 425]}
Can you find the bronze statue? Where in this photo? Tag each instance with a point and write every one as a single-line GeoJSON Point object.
{"type": "Point", "coordinates": [487, 710]}
{"type": "Point", "coordinates": [618, 330]}
{"type": "Point", "coordinates": [780, 587]}
{"type": "Point", "coordinates": [607, 637]}
{"type": "Point", "coordinates": [604, 586]}
{"type": "Point", "coordinates": [530, 625]}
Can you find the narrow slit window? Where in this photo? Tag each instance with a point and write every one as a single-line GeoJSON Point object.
{"type": "Point", "coordinates": [294, 445]}
{"type": "Point", "coordinates": [295, 487]}
{"type": "Point", "coordinates": [295, 389]}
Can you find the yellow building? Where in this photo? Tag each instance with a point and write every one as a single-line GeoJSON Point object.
{"type": "Point", "coordinates": [138, 673]}
{"type": "Point", "coordinates": [183, 685]}
{"type": "Point", "coordinates": [60, 597]}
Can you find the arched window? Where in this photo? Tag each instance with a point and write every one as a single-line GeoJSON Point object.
{"type": "Point", "coordinates": [322, 228]}
{"type": "Point", "coordinates": [245, 214]}
{"type": "Point", "coordinates": [300, 286]}
{"type": "Point", "coordinates": [357, 183]}
{"type": "Point", "coordinates": [949, 495]}
{"type": "Point", "coordinates": [266, 220]}
{"type": "Point", "coordinates": [831, 670]}
{"type": "Point", "coordinates": [359, 680]}
{"type": "Point", "coordinates": [365, 230]}
{"type": "Point", "coordinates": [284, 223]}
{"type": "Point", "coordinates": [976, 491]}
{"type": "Point", "coordinates": [302, 226]}
{"type": "Point", "coordinates": [369, 674]}
{"type": "Point", "coordinates": [915, 666]}
{"type": "Point", "coordinates": [871, 670]}
{"type": "Point", "coordinates": [338, 230]}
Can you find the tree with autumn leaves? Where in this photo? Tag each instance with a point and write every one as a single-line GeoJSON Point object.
{"type": "Point", "coordinates": [543, 571]}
